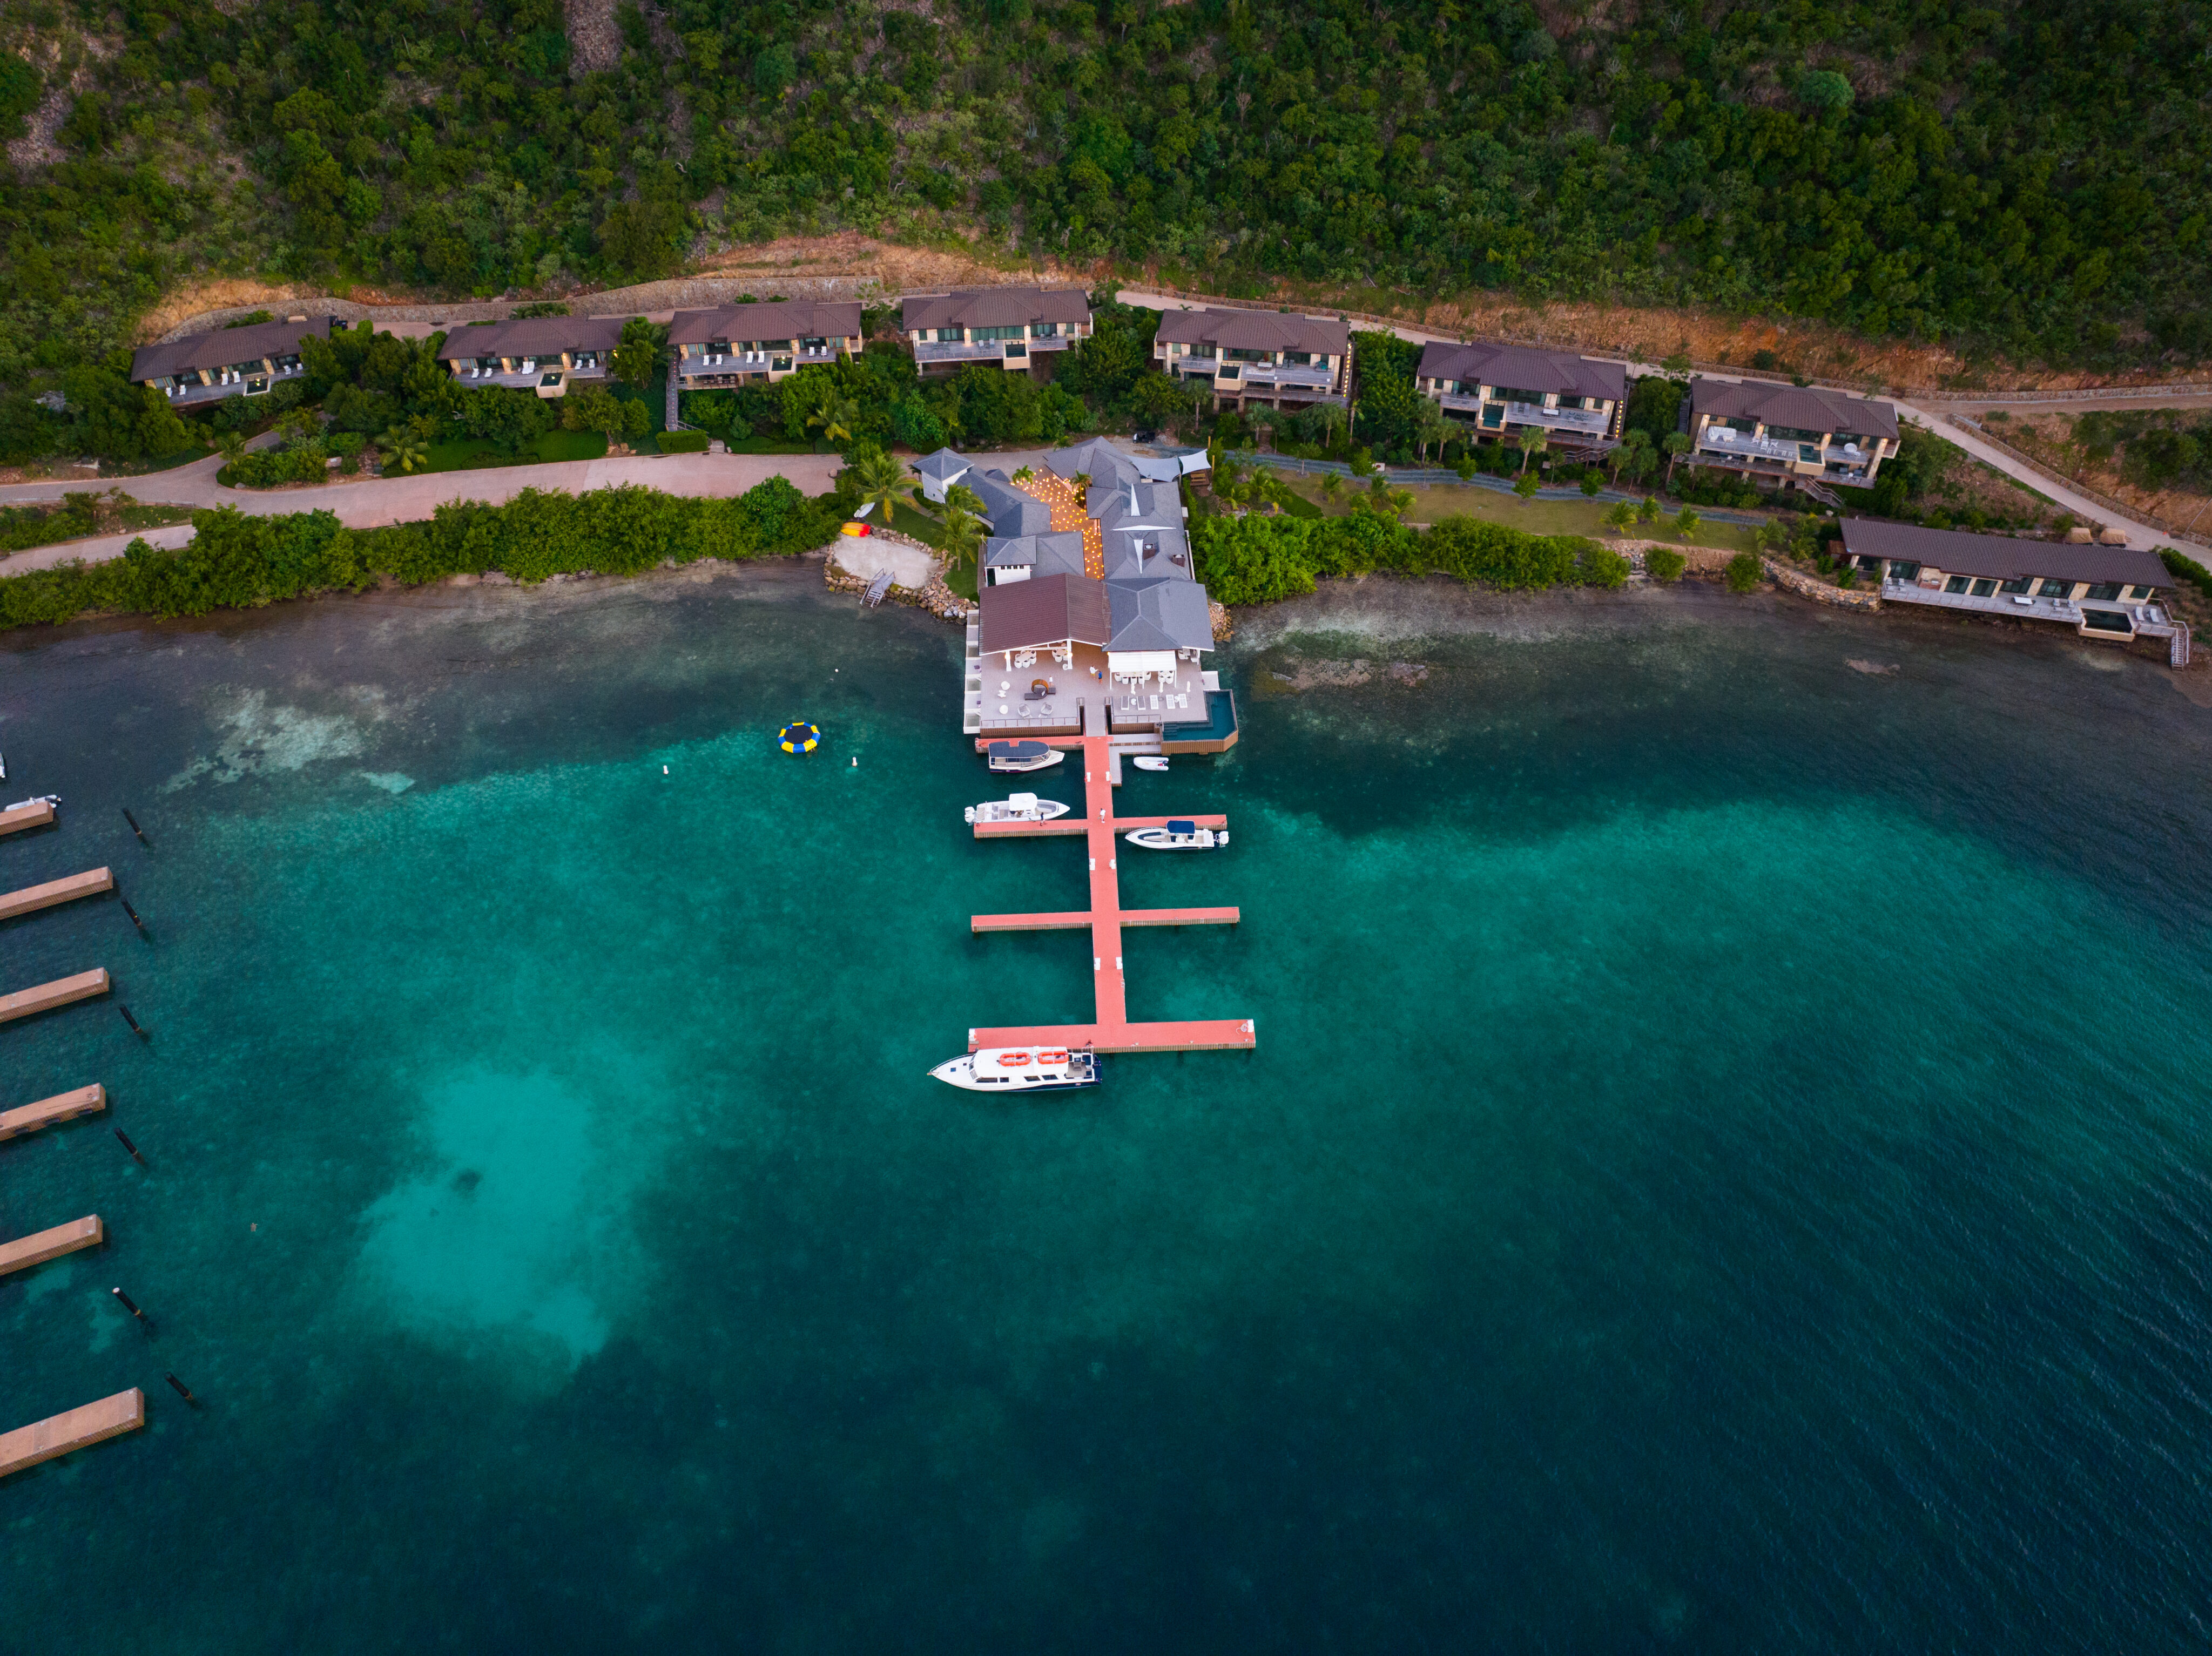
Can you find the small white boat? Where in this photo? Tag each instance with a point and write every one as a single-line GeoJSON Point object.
{"type": "Point", "coordinates": [35, 799]}
{"type": "Point", "coordinates": [1020, 1070]}
{"type": "Point", "coordinates": [1017, 808]}
{"type": "Point", "coordinates": [1023, 756]}
{"type": "Point", "coordinates": [1150, 762]}
{"type": "Point", "coordinates": [1178, 836]}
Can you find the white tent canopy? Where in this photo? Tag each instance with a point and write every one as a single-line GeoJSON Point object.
{"type": "Point", "coordinates": [1140, 664]}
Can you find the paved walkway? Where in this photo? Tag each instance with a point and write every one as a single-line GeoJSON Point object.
{"type": "Point", "coordinates": [371, 502]}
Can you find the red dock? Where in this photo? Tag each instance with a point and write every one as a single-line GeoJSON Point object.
{"type": "Point", "coordinates": [1112, 1032]}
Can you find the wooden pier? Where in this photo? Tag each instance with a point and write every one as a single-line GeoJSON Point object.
{"type": "Point", "coordinates": [61, 1106]}
{"type": "Point", "coordinates": [36, 814]}
{"type": "Point", "coordinates": [1111, 1030]}
{"type": "Point", "coordinates": [60, 992]}
{"type": "Point", "coordinates": [31, 897]}
{"type": "Point", "coordinates": [80, 1429]}
{"type": "Point", "coordinates": [27, 1251]}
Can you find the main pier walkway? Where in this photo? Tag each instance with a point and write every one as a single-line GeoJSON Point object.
{"type": "Point", "coordinates": [1111, 1032]}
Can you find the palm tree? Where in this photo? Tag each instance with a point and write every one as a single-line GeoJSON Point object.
{"type": "Point", "coordinates": [1619, 516]}
{"type": "Point", "coordinates": [1330, 417]}
{"type": "Point", "coordinates": [1677, 444]}
{"type": "Point", "coordinates": [1532, 441]}
{"type": "Point", "coordinates": [1331, 487]}
{"type": "Point", "coordinates": [878, 476]}
{"type": "Point", "coordinates": [401, 449]}
{"type": "Point", "coordinates": [835, 413]}
{"type": "Point", "coordinates": [964, 534]}
{"type": "Point", "coordinates": [1397, 501]}
{"type": "Point", "coordinates": [1431, 425]}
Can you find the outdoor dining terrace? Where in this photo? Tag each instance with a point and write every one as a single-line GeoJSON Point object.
{"type": "Point", "coordinates": [1046, 696]}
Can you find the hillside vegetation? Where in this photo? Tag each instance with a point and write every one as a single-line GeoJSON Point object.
{"type": "Point", "coordinates": [2035, 177]}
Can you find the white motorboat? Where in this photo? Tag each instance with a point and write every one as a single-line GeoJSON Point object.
{"type": "Point", "coordinates": [1020, 1070]}
{"type": "Point", "coordinates": [1178, 835]}
{"type": "Point", "coordinates": [1023, 756]}
{"type": "Point", "coordinates": [35, 799]}
{"type": "Point", "coordinates": [1150, 762]}
{"type": "Point", "coordinates": [1017, 808]}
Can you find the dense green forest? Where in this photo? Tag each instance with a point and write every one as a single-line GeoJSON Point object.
{"type": "Point", "coordinates": [2033, 177]}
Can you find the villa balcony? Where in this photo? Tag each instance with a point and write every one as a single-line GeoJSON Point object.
{"type": "Point", "coordinates": [1286, 376]}
{"type": "Point", "coordinates": [2095, 618]}
{"type": "Point", "coordinates": [1496, 416]}
{"type": "Point", "coordinates": [526, 379]}
{"type": "Point", "coordinates": [1723, 443]}
{"type": "Point", "coordinates": [249, 385]}
{"type": "Point", "coordinates": [990, 350]}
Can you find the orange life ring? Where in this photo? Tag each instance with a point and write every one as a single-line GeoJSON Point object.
{"type": "Point", "coordinates": [1012, 1060]}
{"type": "Point", "coordinates": [1052, 1058]}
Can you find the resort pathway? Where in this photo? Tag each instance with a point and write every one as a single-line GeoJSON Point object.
{"type": "Point", "coordinates": [371, 502]}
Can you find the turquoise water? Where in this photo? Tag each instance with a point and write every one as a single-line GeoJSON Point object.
{"type": "Point", "coordinates": [1724, 1166]}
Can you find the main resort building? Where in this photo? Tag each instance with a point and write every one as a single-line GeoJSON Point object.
{"type": "Point", "coordinates": [1093, 618]}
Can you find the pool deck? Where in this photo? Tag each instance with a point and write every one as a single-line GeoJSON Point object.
{"type": "Point", "coordinates": [1111, 1031]}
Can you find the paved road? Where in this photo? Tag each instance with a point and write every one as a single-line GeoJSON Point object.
{"type": "Point", "coordinates": [370, 502]}
{"type": "Point", "coordinates": [2138, 533]}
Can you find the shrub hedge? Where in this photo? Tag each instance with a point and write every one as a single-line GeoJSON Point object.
{"type": "Point", "coordinates": [683, 442]}
{"type": "Point", "coordinates": [1254, 559]}
{"type": "Point", "coordinates": [237, 561]}
{"type": "Point", "coordinates": [268, 467]}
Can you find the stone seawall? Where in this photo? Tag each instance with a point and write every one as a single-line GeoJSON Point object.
{"type": "Point", "coordinates": [1798, 581]}
{"type": "Point", "coordinates": [933, 596]}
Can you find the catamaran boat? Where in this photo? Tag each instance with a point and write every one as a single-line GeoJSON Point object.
{"type": "Point", "coordinates": [1017, 808]}
{"type": "Point", "coordinates": [1178, 836]}
{"type": "Point", "coordinates": [1150, 762]}
{"type": "Point", "coordinates": [1021, 1070]}
{"type": "Point", "coordinates": [1023, 756]}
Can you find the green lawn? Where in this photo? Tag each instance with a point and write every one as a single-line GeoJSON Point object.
{"type": "Point", "coordinates": [909, 520]}
{"type": "Point", "coordinates": [183, 457]}
{"type": "Point", "coordinates": [1536, 516]}
{"type": "Point", "coordinates": [961, 578]}
{"type": "Point", "coordinates": [474, 454]}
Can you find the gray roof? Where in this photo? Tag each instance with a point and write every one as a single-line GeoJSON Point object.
{"type": "Point", "coordinates": [995, 308]}
{"type": "Point", "coordinates": [227, 346]}
{"type": "Point", "coordinates": [943, 467]}
{"type": "Point", "coordinates": [1011, 510]}
{"type": "Point", "coordinates": [1094, 458]}
{"type": "Point", "coordinates": [786, 319]}
{"type": "Point", "coordinates": [1057, 553]}
{"type": "Point", "coordinates": [1138, 553]}
{"type": "Point", "coordinates": [1256, 331]}
{"type": "Point", "coordinates": [1159, 615]}
{"type": "Point", "coordinates": [1804, 407]}
{"type": "Point", "coordinates": [1520, 369]}
{"type": "Point", "coordinates": [2000, 557]}
{"type": "Point", "coordinates": [534, 336]}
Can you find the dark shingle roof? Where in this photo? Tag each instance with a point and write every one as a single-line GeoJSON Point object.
{"type": "Point", "coordinates": [788, 319]}
{"type": "Point", "coordinates": [1805, 408]}
{"type": "Point", "coordinates": [995, 308]}
{"type": "Point", "coordinates": [1256, 331]}
{"type": "Point", "coordinates": [225, 346]}
{"type": "Point", "coordinates": [1029, 614]}
{"type": "Point", "coordinates": [945, 466]}
{"type": "Point", "coordinates": [532, 336]}
{"type": "Point", "coordinates": [2000, 557]}
{"type": "Point", "coordinates": [1519, 369]}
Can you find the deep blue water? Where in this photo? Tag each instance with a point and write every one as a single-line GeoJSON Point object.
{"type": "Point", "coordinates": [1724, 1167]}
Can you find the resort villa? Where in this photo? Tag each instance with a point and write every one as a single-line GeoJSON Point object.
{"type": "Point", "coordinates": [760, 343]}
{"type": "Point", "coordinates": [246, 361]}
{"type": "Point", "coordinates": [1018, 328]}
{"type": "Point", "coordinates": [1264, 359]}
{"type": "Point", "coordinates": [1501, 390]}
{"type": "Point", "coordinates": [540, 354]}
{"type": "Point", "coordinates": [1789, 433]}
{"type": "Point", "coordinates": [1092, 617]}
{"type": "Point", "coordinates": [2108, 592]}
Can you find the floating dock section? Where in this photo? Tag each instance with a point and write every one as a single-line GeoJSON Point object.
{"type": "Point", "coordinates": [80, 1429]}
{"type": "Point", "coordinates": [61, 1106]}
{"type": "Point", "coordinates": [1111, 1030]}
{"type": "Point", "coordinates": [60, 992]}
{"type": "Point", "coordinates": [36, 813]}
{"type": "Point", "coordinates": [32, 898]}
{"type": "Point", "coordinates": [28, 1250]}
